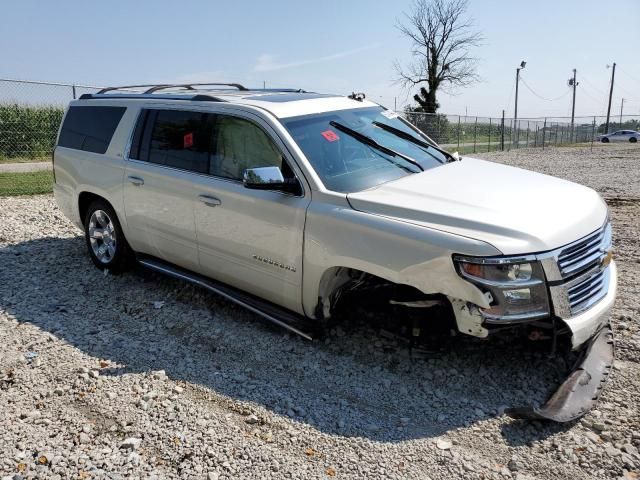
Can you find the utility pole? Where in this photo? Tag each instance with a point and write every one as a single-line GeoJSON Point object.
{"type": "Point", "coordinates": [572, 82]}
{"type": "Point", "coordinates": [621, 105]}
{"type": "Point", "coordinates": [613, 76]}
{"type": "Point", "coordinates": [515, 110]}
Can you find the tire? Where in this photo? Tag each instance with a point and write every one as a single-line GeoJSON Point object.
{"type": "Point", "coordinates": [108, 248]}
{"type": "Point", "coordinates": [605, 140]}
{"type": "Point", "coordinates": [633, 139]}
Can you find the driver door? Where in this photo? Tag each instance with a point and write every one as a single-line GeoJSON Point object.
{"type": "Point", "coordinates": [250, 239]}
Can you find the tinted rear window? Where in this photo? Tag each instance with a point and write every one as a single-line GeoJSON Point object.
{"type": "Point", "coordinates": [90, 128]}
{"type": "Point", "coordinates": [181, 139]}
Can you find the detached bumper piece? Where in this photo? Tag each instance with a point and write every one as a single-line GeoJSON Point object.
{"type": "Point", "coordinates": [580, 391]}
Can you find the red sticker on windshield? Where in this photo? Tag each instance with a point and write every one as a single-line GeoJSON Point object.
{"type": "Point", "coordinates": [330, 136]}
{"type": "Point", "coordinates": [187, 140]}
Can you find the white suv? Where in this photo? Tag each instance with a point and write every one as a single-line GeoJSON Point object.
{"type": "Point", "coordinates": [291, 203]}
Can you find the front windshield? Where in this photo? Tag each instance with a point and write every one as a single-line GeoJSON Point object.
{"type": "Point", "coordinates": [346, 164]}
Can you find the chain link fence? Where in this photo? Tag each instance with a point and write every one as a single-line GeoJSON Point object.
{"type": "Point", "coordinates": [30, 114]}
{"type": "Point", "coordinates": [472, 134]}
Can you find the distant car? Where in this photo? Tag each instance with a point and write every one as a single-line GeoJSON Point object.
{"type": "Point", "coordinates": [620, 136]}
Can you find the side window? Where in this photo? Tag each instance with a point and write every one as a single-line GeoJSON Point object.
{"type": "Point", "coordinates": [180, 139]}
{"type": "Point", "coordinates": [90, 128]}
{"type": "Point", "coordinates": [240, 144]}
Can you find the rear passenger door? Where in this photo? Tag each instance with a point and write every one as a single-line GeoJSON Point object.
{"type": "Point", "coordinates": [170, 148]}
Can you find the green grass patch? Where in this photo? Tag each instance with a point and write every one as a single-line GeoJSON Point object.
{"type": "Point", "coordinates": [26, 183]}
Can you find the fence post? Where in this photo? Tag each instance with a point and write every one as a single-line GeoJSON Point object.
{"type": "Point", "coordinates": [489, 147]}
{"type": "Point", "coordinates": [73, 91]}
{"type": "Point", "coordinates": [458, 132]}
{"type": "Point", "coordinates": [544, 131]}
{"type": "Point", "coordinates": [557, 127]}
{"type": "Point", "coordinates": [535, 138]}
{"type": "Point", "coordinates": [502, 132]}
{"type": "Point", "coordinates": [527, 134]}
{"type": "Point", "coordinates": [593, 132]}
{"type": "Point", "coordinates": [475, 135]}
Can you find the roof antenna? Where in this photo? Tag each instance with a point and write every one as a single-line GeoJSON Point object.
{"type": "Point", "coordinates": [360, 96]}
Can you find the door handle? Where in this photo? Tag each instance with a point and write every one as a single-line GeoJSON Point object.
{"type": "Point", "coordinates": [209, 200]}
{"type": "Point", "coordinates": [137, 181]}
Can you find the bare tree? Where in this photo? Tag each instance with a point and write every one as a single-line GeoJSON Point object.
{"type": "Point", "coordinates": [441, 38]}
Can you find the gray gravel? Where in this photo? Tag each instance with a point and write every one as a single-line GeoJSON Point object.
{"type": "Point", "coordinates": [142, 376]}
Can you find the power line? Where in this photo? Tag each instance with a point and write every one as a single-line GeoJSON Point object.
{"type": "Point", "coordinates": [628, 75]}
{"type": "Point", "coordinates": [544, 98]}
{"type": "Point", "coordinates": [592, 85]}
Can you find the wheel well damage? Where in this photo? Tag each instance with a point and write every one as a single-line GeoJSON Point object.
{"type": "Point", "coordinates": [343, 290]}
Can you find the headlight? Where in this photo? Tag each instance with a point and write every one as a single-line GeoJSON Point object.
{"type": "Point", "coordinates": [516, 284]}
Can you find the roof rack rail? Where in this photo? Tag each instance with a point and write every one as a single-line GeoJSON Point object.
{"type": "Point", "coordinates": [154, 87]}
{"type": "Point", "coordinates": [124, 87]}
{"type": "Point", "coordinates": [189, 86]}
{"type": "Point", "coordinates": [196, 97]}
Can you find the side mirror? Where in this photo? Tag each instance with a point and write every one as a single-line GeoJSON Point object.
{"type": "Point", "coordinates": [269, 178]}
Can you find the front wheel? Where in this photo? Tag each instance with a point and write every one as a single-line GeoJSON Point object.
{"type": "Point", "coordinates": [605, 140]}
{"type": "Point", "coordinates": [107, 246]}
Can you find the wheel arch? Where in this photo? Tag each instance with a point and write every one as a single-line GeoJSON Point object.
{"type": "Point", "coordinates": [336, 281]}
{"type": "Point", "coordinates": [86, 198]}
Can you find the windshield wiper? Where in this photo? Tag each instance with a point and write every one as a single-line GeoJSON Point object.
{"type": "Point", "coordinates": [372, 143]}
{"type": "Point", "coordinates": [410, 138]}
{"type": "Point", "coordinates": [399, 133]}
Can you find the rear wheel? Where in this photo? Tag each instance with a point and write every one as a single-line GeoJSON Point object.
{"type": "Point", "coordinates": [633, 139]}
{"type": "Point", "coordinates": [107, 246]}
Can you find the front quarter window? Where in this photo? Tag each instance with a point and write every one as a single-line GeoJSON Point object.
{"type": "Point", "coordinates": [348, 164]}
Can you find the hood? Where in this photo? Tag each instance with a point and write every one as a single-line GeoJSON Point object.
{"type": "Point", "coordinates": [517, 211]}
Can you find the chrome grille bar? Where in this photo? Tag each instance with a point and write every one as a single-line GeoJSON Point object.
{"type": "Point", "coordinates": [581, 256]}
{"type": "Point", "coordinates": [580, 272]}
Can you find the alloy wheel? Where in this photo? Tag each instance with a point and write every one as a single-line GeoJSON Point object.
{"type": "Point", "coordinates": [102, 236]}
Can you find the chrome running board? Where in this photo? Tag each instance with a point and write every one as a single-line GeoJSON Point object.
{"type": "Point", "coordinates": [275, 314]}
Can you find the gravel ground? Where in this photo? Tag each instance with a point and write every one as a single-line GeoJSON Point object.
{"type": "Point", "coordinates": [142, 376]}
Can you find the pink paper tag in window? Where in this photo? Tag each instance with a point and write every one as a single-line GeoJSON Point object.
{"type": "Point", "coordinates": [330, 136]}
{"type": "Point", "coordinates": [188, 140]}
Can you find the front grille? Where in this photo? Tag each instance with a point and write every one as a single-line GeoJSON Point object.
{"type": "Point", "coordinates": [583, 255]}
{"type": "Point", "coordinates": [587, 292]}
{"type": "Point", "coordinates": [578, 273]}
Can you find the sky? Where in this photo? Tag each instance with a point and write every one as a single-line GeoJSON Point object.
{"type": "Point", "coordinates": [330, 46]}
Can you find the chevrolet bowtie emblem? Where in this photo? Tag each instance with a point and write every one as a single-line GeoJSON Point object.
{"type": "Point", "coordinates": [606, 260]}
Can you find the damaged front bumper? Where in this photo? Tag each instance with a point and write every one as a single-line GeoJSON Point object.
{"type": "Point", "coordinates": [592, 336]}
{"type": "Point", "coordinates": [580, 391]}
